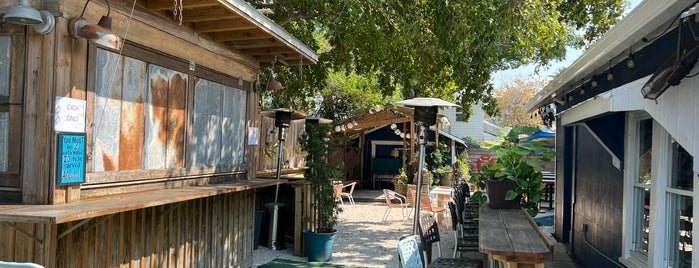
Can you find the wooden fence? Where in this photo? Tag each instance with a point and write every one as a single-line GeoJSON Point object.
{"type": "Point", "coordinates": [215, 231]}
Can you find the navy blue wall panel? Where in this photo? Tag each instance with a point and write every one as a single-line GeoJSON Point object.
{"type": "Point", "coordinates": [598, 187]}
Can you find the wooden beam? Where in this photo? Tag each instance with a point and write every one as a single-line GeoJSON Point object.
{"type": "Point", "coordinates": [258, 43]}
{"type": "Point", "coordinates": [240, 35]}
{"type": "Point", "coordinates": [169, 5]}
{"type": "Point", "coordinates": [269, 50]}
{"type": "Point", "coordinates": [207, 14]}
{"type": "Point", "coordinates": [223, 25]}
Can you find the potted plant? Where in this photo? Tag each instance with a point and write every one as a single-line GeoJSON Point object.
{"type": "Point", "coordinates": [318, 145]}
{"type": "Point", "coordinates": [401, 182]}
{"type": "Point", "coordinates": [517, 163]}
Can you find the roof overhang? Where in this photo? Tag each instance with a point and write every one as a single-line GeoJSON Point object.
{"type": "Point", "coordinates": [239, 26]}
{"type": "Point", "coordinates": [648, 19]}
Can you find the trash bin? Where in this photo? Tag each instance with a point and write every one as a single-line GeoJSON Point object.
{"type": "Point", "coordinates": [273, 241]}
{"type": "Point", "coordinates": [258, 226]}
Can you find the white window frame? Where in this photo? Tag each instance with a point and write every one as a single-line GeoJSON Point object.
{"type": "Point", "coordinates": [629, 256]}
{"type": "Point", "coordinates": [660, 172]}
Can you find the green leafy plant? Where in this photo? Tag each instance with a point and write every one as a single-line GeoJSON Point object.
{"type": "Point", "coordinates": [436, 163]}
{"type": "Point", "coordinates": [319, 145]}
{"type": "Point", "coordinates": [518, 161]}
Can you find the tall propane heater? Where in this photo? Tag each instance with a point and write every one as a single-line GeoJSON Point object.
{"type": "Point", "coordinates": [282, 120]}
{"type": "Point", "coordinates": [425, 115]}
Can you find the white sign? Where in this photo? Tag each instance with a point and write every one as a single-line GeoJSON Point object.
{"type": "Point", "coordinates": [69, 115]}
{"type": "Point", "coordinates": [253, 135]}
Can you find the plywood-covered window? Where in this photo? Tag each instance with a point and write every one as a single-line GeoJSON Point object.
{"type": "Point", "coordinates": [218, 132]}
{"type": "Point", "coordinates": [139, 115]}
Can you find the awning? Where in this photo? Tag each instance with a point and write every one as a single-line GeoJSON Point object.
{"type": "Point", "coordinates": [649, 18]}
{"type": "Point", "coordinates": [239, 26]}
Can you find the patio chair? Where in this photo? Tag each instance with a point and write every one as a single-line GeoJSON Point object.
{"type": "Point", "coordinates": [337, 192]}
{"type": "Point", "coordinates": [429, 234]}
{"type": "Point", "coordinates": [348, 194]}
{"type": "Point", "coordinates": [426, 204]}
{"type": "Point", "coordinates": [409, 253]}
{"type": "Point", "coordinates": [389, 196]}
{"type": "Point", "coordinates": [468, 240]}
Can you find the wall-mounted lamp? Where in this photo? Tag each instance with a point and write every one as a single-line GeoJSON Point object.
{"type": "Point", "coordinates": [42, 21]}
{"type": "Point", "coordinates": [272, 83]}
{"type": "Point", "coordinates": [101, 33]}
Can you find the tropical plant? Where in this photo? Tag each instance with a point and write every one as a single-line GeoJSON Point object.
{"type": "Point", "coordinates": [517, 161]}
{"type": "Point", "coordinates": [318, 145]}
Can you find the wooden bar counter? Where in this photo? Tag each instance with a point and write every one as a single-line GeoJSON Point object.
{"type": "Point", "coordinates": [511, 239]}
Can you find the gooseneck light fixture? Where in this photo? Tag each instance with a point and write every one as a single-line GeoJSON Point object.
{"type": "Point", "coordinates": [425, 115]}
{"type": "Point", "coordinates": [42, 21]}
{"type": "Point", "coordinates": [100, 34]}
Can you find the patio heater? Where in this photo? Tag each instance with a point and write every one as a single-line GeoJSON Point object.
{"type": "Point", "coordinates": [282, 120]}
{"type": "Point", "coordinates": [425, 115]}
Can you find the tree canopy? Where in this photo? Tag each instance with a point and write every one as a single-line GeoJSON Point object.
{"type": "Point", "coordinates": [511, 98]}
{"type": "Point", "coordinates": [428, 48]}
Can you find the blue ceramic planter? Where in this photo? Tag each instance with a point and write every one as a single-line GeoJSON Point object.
{"type": "Point", "coordinates": [319, 247]}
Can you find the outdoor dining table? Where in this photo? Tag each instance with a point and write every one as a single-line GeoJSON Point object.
{"type": "Point", "coordinates": [443, 195]}
{"type": "Point", "coordinates": [511, 238]}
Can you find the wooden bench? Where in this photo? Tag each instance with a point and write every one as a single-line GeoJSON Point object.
{"type": "Point", "coordinates": [512, 238]}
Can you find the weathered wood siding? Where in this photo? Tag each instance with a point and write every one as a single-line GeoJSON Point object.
{"type": "Point", "coordinates": [210, 232]}
{"type": "Point", "coordinates": [268, 146]}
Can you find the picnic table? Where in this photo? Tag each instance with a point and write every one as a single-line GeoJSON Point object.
{"type": "Point", "coordinates": [512, 238]}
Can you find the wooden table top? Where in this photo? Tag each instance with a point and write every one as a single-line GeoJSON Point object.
{"type": "Point", "coordinates": [106, 205]}
{"type": "Point", "coordinates": [511, 235]}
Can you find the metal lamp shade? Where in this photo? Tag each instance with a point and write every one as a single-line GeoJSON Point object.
{"type": "Point", "coordinates": [426, 115]}
{"type": "Point", "coordinates": [101, 33]}
{"type": "Point", "coordinates": [273, 84]}
{"type": "Point", "coordinates": [23, 14]}
{"type": "Point", "coordinates": [283, 117]}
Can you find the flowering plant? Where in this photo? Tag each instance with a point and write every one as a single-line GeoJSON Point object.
{"type": "Point", "coordinates": [401, 178]}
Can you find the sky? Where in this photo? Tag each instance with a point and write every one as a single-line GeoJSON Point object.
{"type": "Point", "coordinates": [545, 73]}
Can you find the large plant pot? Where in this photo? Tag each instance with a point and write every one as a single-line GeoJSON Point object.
{"type": "Point", "coordinates": [319, 246]}
{"type": "Point", "coordinates": [496, 194]}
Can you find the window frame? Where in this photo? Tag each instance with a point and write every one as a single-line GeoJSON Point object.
{"type": "Point", "coordinates": [13, 104]}
{"type": "Point", "coordinates": [102, 178]}
{"type": "Point", "coordinates": [661, 193]}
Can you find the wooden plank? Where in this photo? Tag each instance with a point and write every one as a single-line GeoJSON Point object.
{"type": "Point", "coordinates": [223, 25]}
{"type": "Point", "coordinates": [161, 34]}
{"type": "Point", "coordinates": [523, 244]}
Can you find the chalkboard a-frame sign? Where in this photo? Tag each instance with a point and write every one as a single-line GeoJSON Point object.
{"type": "Point", "coordinates": [70, 158]}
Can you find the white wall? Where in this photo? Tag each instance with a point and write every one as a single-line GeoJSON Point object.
{"type": "Point", "coordinates": [473, 128]}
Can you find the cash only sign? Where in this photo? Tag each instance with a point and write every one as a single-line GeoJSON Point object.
{"type": "Point", "coordinates": [69, 123]}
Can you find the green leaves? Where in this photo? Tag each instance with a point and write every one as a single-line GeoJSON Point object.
{"type": "Point", "coordinates": [432, 48]}
{"type": "Point", "coordinates": [517, 160]}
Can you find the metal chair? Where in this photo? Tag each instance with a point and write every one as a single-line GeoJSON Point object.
{"type": "Point", "coordinates": [348, 194]}
{"type": "Point", "coordinates": [429, 234]}
{"type": "Point", "coordinates": [465, 239]}
{"type": "Point", "coordinates": [389, 196]}
{"type": "Point", "coordinates": [409, 253]}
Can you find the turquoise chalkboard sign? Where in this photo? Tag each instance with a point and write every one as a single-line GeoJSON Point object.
{"type": "Point", "coordinates": [70, 166]}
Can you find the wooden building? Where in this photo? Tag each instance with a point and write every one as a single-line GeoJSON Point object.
{"type": "Point", "coordinates": [138, 155]}
{"type": "Point", "coordinates": [627, 141]}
